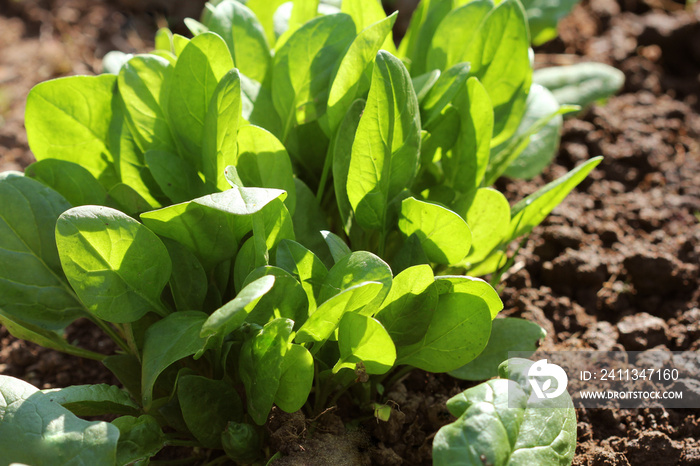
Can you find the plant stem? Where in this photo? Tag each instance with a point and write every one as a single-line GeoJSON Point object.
{"type": "Point", "coordinates": [111, 333]}
{"type": "Point", "coordinates": [83, 353]}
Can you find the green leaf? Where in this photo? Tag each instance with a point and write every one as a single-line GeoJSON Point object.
{"type": "Point", "coordinates": [501, 342]}
{"type": "Point", "coordinates": [336, 245]}
{"type": "Point", "coordinates": [139, 438]}
{"type": "Point", "coordinates": [72, 181]}
{"type": "Point", "coordinates": [353, 269]}
{"type": "Point", "coordinates": [341, 150]}
{"type": "Point", "coordinates": [232, 314]}
{"type": "Point", "coordinates": [93, 400]}
{"type": "Point", "coordinates": [457, 333]}
{"type": "Point", "coordinates": [164, 40]}
{"type": "Point", "coordinates": [444, 236]}
{"type": "Point", "coordinates": [261, 362]}
{"type": "Point", "coordinates": [116, 266]}
{"type": "Point", "coordinates": [443, 91]}
{"type": "Point", "coordinates": [385, 152]}
{"type": "Point", "coordinates": [364, 14]}
{"type": "Point", "coordinates": [305, 266]}
{"type": "Point", "coordinates": [499, 424]}
{"type": "Point", "coordinates": [33, 288]}
{"type": "Point", "coordinates": [264, 10]}
{"type": "Point", "coordinates": [347, 81]}
{"type": "Point", "coordinates": [499, 57]}
{"type": "Point", "coordinates": [188, 281]}
{"type": "Point", "coordinates": [309, 221]}
{"type": "Point", "coordinates": [543, 17]}
{"type": "Point", "coordinates": [473, 286]}
{"type": "Point", "coordinates": [35, 430]}
{"type": "Point", "coordinates": [211, 226]}
{"type": "Point", "coordinates": [454, 34]}
{"type": "Point", "coordinates": [207, 407]}
{"type": "Point", "coordinates": [488, 217]}
{"type": "Point", "coordinates": [364, 339]}
{"type": "Point", "coordinates": [176, 177]}
{"type": "Point", "coordinates": [296, 379]}
{"type": "Point", "coordinates": [167, 341]}
{"type": "Point", "coordinates": [580, 84]}
{"type": "Point", "coordinates": [322, 323]}
{"type": "Point", "coordinates": [200, 66]}
{"type": "Point", "coordinates": [263, 161]}
{"type": "Point", "coordinates": [543, 144]}
{"type": "Point", "coordinates": [286, 299]}
{"type": "Point", "coordinates": [244, 36]}
{"type": "Point", "coordinates": [408, 308]}
{"type": "Point", "coordinates": [424, 83]}
{"type": "Point", "coordinates": [302, 68]}
{"type": "Point", "coordinates": [141, 87]}
{"type": "Point", "coordinates": [69, 119]}
{"type": "Point", "coordinates": [424, 23]}
{"type": "Point", "coordinates": [242, 442]}
{"type": "Point", "coordinates": [219, 143]}
{"type": "Point", "coordinates": [529, 212]}
{"type": "Point", "coordinates": [127, 369]}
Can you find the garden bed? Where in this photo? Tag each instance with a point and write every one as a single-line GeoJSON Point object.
{"type": "Point", "coordinates": [614, 267]}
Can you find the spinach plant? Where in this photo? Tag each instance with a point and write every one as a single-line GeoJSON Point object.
{"type": "Point", "coordinates": [279, 211]}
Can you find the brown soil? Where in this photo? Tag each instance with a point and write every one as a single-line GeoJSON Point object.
{"type": "Point", "coordinates": [615, 267]}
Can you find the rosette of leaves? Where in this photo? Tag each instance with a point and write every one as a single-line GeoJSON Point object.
{"type": "Point", "coordinates": [256, 216]}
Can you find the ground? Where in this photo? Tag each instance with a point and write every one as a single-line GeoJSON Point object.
{"type": "Point", "coordinates": [614, 267]}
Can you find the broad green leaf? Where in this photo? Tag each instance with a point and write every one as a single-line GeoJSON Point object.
{"type": "Point", "coordinates": [529, 212]}
{"type": "Point", "coordinates": [207, 407]}
{"type": "Point", "coordinates": [72, 181]}
{"type": "Point", "coordinates": [261, 362]}
{"type": "Point", "coordinates": [543, 17]}
{"type": "Point", "coordinates": [365, 13]}
{"type": "Point", "coordinates": [473, 286]}
{"type": "Point", "coordinates": [164, 40]}
{"type": "Point", "coordinates": [410, 254]}
{"type": "Point", "coordinates": [244, 35]}
{"type": "Point", "coordinates": [179, 44]}
{"type": "Point", "coordinates": [309, 221]}
{"type": "Point", "coordinates": [543, 144]}
{"type": "Point", "coordinates": [302, 11]}
{"type": "Point", "coordinates": [363, 339]}
{"type": "Point", "coordinates": [424, 83]}
{"type": "Point", "coordinates": [488, 217]}
{"type": "Point", "coordinates": [93, 400]}
{"type": "Point", "coordinates": [408, 308]}
{"type": "Point", "coordinates": [465, 166]}
{"type": "Point", "coordinates": [188, 280]}
{"type": "Point", "coordinates": [347, 81]}
{"type": "Point", "coordinates": [499, 57]}
{"type": "Point", "coordinates": [424, 24]}
{"type": "Point", "coordinates": [264, 10]}
{"type": "Point", "coordinates": [35, 430]}
{"type": "Point", "coordinates": [167, 341]}
{"type": "Point", "coordinates": [199, 68]}
{"type": "Point", "coordinates": [501, 341]}
{"type": "Point", "coordinates": [116, 266]}
{"type": "Point", "coordinates": [219, 143]}
{"type": "Point", "coordinates": [302, 68]}
{"type": "Point", "coordinates": [175, 176]}
{"type": "Point", "coordinates": [305, 266]}
{"type": "Point", "coordinates": [353, 269]}
{"type": "Point", "coordinates": [498, 423]}
{"type": "Point", "coordinates": [454, 34]}
{"type": "Point", "coordinates": [322, 323]}
{"type": "Point", "coordinates": [232, 314]}
{"type": "Point", "coordinates": [211, 226]}
{"type": "Point", "coordinates": [387, 143]}
{"type": "Point", "coordinates": [580, 84]}
{"type": "Point", "coordinates": [242, 442]}
{"type": "Point", "coordinates": [296, 379]}
{"type": "Point", "coordinates": [443, 91]}
{"type": "Point", "coordinates": [457, 333]}
{"type": "Point", "coordinates": [336, 245]}
{"type": "Point", "coordinates": [287, 299]}
{"type": "Point", "coordinates": [141, 87]}
{"type": "Point", "coordinates": [33, 288]}
{"type": "Point", "coordinates": [341, 150]}
{"type": "Point", "coordinates": [263, 161]}
{"type": "Point", "coordinates": [69, 119]}
{"type": "Point", "coordinates": [195, 27]}
{"type": "Point", "coordinates": [127, 369]}
{"type": "Point", "coordinates": [444, 235]}
{"type": "Point", "coordinates": [139, 438]}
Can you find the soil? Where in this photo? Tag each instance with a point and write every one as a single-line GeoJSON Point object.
{"type": "Point", "coordinates": [616, 266]}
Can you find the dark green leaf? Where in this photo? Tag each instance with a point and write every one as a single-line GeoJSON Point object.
{"type": "Point", "coordinates": [93, 400]}
{"type": "Point", "coordinates": [139, 438]}
{"type": "Point", "coordinates": [71, 180]}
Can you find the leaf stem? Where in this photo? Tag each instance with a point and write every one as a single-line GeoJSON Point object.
{"type": "Point", "coordinates": [111, 333]}
{"type": "Point", "coordinates": [83, 353]}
